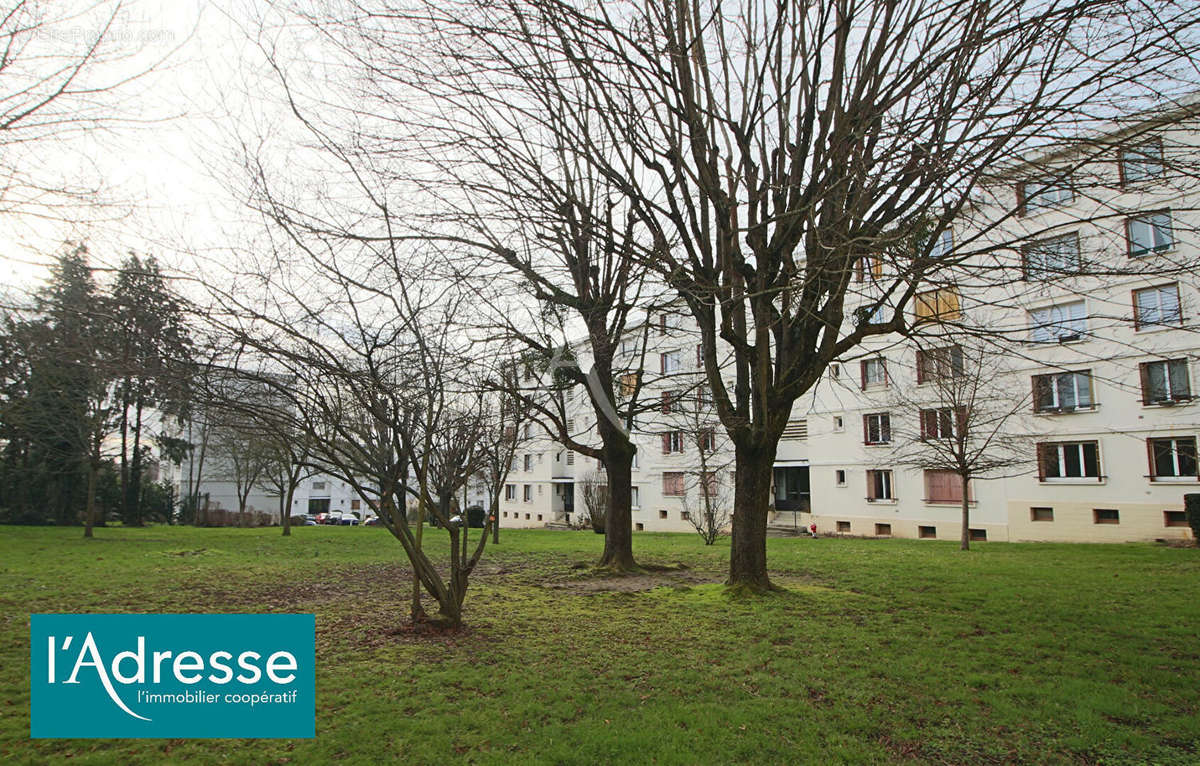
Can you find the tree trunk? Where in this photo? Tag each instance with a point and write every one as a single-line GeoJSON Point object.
{"type": "Point", "coordinates": [133, 494]}
{"type": "Point", "coordinates": [618, 525]}
{"type": "Point", "coordinates": [89, 513]}
{"type": "Point", "coordinates": [417, 612]}
{"type": "Point", "coordinates": [285, 516]}
{"type": "Point", "coordinates": [966, 515]}
{"type": "Point", "coordinates": [751, 498]}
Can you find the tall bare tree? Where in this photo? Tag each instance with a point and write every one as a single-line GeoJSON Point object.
{"type": "Point", "coordinates": [771, 149]}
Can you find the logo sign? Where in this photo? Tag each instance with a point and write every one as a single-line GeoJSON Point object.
{"type": "Point", "coordinates": [172, 675]}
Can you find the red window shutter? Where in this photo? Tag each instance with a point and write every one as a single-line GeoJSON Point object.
{"type": "Point", "coordinates": [1137, 319]}
{"type": "Point", "coordinates": [1150, 456]}
{"type": "Point", "coordinates": [866, 429]}
{"type": "Point", "coordinates": [666, 444]}
{"type": "Point", "coordinates": [1144, 373]}
{"type": "Point", "coordinates": [1043, 456]}
{"type": "Point", "coordinates": [662, 363]}
{"type": "Point", "coordinates": [961, 425]}
{"type": "Point", "coordinates": [922, 360]}
{"type": "Point", "coordinates": [862, 368]}
{"type": "Point", "coordinates": [666, 402]}
{"type": "Point", "coordinates": [1020, 198]}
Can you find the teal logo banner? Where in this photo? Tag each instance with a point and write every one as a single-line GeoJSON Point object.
{"type": "Point", "coordinates": [172, 675]}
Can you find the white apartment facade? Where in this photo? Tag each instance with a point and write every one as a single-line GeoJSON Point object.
{"type": "Point", "coordinates": [1108, 364]}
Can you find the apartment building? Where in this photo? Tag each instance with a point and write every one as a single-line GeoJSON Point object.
{"type": "Point", "coordinates": [1082, 272]}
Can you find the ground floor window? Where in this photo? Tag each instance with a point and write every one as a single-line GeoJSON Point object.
{"type": "Point", "coordinates": [1069, 460]}
{"type": "Point", "coordinates": [879, 485]}
{"type": "Point", "coordinates": [1173, 458]}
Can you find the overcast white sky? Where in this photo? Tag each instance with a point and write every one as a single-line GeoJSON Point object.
{"type": "Point", "coordinates": [160, 159]}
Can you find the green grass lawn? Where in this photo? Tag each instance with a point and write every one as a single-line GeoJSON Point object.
{"type": "Point", "coordinates": [879, 651]}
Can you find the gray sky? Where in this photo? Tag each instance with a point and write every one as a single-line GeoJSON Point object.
{"type": "Point", "coordinates": [159, 157]}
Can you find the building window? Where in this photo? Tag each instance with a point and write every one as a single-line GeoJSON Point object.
{"type": "Point", "coordinates": [795, 430]}
{"type": "Point", "coordinates": [927, 533]}
{"type": "Point", "coordinates": [1165, 382]}
{"type": "Point", "coordinates": [528, 430]}
{"type": "Point", "coordinates": [1069, 460]}
{"type": "Point", "coordinates": [703, 396]}
{"type": "Point", "coordinates": [1156, 307]}
{"type": "Point", "coordinates": [510, 491]}
{"type": "Point", "coordinates": [1041, 513]}
{"type": "Point", "coordinates": [1060, 323]}
{"type": "Point", "coordinates": [662, 514]}
{"type": "Point", "coordinates": [527, 493]}
{"type": "Point", "coordinates": [669, 362]}
{"type": "Point", "coordinates": [318, 485]}
{"type": "Point", "coordinates": [874, 372]}
{"type": "Point", "coordinates": [529, 463]}
{"type": "Point", "coordinates": [1063, 391]}
{"type": "Point", "coordinates": [355, 505]}
{"type": "Point", "coordinates": [839, 477]}
{"type": "Point", "coordinates": [942, 245]}
{"type": "Point", "coordinates": [672, 483]}
{"type": "Point", "coordinates": [1172, 458]}
{"type": "Point", "coordinates": [1044, 193]}
{"type": "Point", "coordinates": [527, 517]}
{"type": "Point", "coordinates": [839, 423]}
{"type": "Point", "coordinates": [629, 383]}
{"type": "Point", "coordinates": [634, 498]}
{"type": "Point", "coordinates": [628, 345]}
{"type": "Point", "coordinates": [835, 370]}
{"type": "Point", "coordinates": [570, 457]}
{"type": "Point", "coordinates": [539, 490]}
{"type": "Point", "coordinates": [1142, 162]}
{"type": "Point", "coordinates": [706, 440]}
{"type": "Point", "coordinates": [1174, 519]}
{"type": "Point", "coordinates": [539, 517]}
{"type": "Point", "coordinates": [1149, 232]}
{"type": "Point", "coordinates": [639, 526]}
{"type": "Point", "coordinates": [1051, 257]}
{"type": "Point", "coordinates": [977, 535]}
{"type": "Point", "coordinates": [668, 400]}
{"type": "Point", "coordinates": [939, 363]}
{"type": "Point", "coordinates": [940, 305]}
{"type": "Point", "coordinates": [843, 526]}
{"type": "Point", "coordinates": [1106, 516]}
{"type": "Point", "coordinates": [941, 422]}
{"type": "Point", "coordinates": [868, 266]}
{"type": "Point", "coordinates": [879, 485]}
{"type": "Point", "coordinates": [877, 428]}
{"type": "Point", "coordinates": [883, 530]}
{"type": "Point", "coordinates": [943, 487]}
{"type": "Point", "coordinates": [672, 442]}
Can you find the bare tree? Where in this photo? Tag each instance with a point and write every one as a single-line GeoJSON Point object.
{"type": "Point", "coordinates": [962, 422]}
{"type": "Point", "coordinates": [64, 69]}
{"type": "Point", "coordinates": [287, 453]}
{"type": "Point", "coordinates": [770, 150]}
{"type": "Point", "coordinates": [594, 493]}
{"type": "Point", "coordinates": [246, 456]}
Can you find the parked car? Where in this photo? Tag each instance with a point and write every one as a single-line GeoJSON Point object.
{"type": "Point", "coordinates": [321, 518]}
{"type": "Point", "coordinates": [348, 520]}
{"type": "Point", "coordinates": [372, 522]}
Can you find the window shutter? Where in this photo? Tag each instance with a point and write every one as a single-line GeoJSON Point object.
{"type": "Point", "coordinates": [662, 363]}
{"type": "Point", "coordinates": [1144, 373]}
{"type": "Point", "coordinates": [866, 429]}
{"type": "Point", "coordinates": [950, 308]}
{"type": "Point", "coordinates": [666, 402]}
{"type": "Point", "coordinates": [1020, 199]}
{"type": "Point", "coordinates": [961, 421]}
{"type": "Point", "coordinates": [1043, 451]}
{"type": "Point", "coordinates": [1150, 456]}
{"type": "Point", "coordinates": [699, 356]}
{"type": "Point", "coordinates": [862, 368]}
{"type": "Point", "coordinates": [871, 485]}
{"type": "Point", "coordinates": [922, 360]}
{"type": "Point", "coordinates": [666, 444]}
